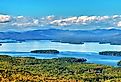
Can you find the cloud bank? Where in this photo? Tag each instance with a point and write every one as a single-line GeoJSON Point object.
{"type": "Point", "coordinates": [77, 22]}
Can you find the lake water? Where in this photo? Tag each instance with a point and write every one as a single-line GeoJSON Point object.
{"type": "Point", "coordinates": [87, 50]}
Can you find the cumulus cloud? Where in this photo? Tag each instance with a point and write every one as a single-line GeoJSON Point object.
{"type": "Point", "coordinates": [119, 24]}
{"type": "Point", "coordinates": [78, 22]}
{"type": "Point", "coordinates": [5, 18]}
{"type": "Point", "coordinates": [82, 20]}
{"type": "Point", "coordinates": [34, 22]}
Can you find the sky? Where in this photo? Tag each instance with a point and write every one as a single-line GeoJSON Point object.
{"type": "Point", "coordinates": [29, 14]}
{"type": "Point", "coordinates": [60, 7]}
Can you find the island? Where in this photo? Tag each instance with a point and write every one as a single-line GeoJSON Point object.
{"type": "Point", "coordinates": [46, 51]}
{"type": "Point", "coordinates": [111, 53]}
{"type": "Point", "coordinates": [70, 42]}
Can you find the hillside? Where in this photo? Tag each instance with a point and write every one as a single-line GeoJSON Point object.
{"type": "Point", "coordinates": [55, 70]}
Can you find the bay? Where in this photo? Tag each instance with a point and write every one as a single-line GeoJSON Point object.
{"type": "Point", "coordinates": [86, 50]}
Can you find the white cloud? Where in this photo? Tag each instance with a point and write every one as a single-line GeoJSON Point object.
{"type": "Point", "coordinates": [119, 24]}
{"type": "Point", "coordinates": [78, 22]}
{"type": "Point", "coordinates": [4, 18]}
{"type": "Point", "coordinates": [50, 17]}
{"type": "Point", "coordinates": [34, 22]}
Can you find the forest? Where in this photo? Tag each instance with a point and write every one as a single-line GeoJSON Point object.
{"type": "Point", "coordinates": [30, 69]}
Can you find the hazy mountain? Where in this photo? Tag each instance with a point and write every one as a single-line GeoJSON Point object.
{"type": "Point", "coordinates": [100, 35]}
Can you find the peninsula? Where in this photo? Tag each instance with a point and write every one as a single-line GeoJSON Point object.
{"type": "Point", "coordinates": [111, 53]}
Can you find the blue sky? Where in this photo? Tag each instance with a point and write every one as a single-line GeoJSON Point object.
{"type": "Point", "coordinates": [67, 14]}
{"type": "Point", "coordinates": [60, 7]}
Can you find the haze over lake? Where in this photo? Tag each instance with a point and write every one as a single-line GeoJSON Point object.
{"type": "Point", "coordinates": [86, 50]}
{"type": "Point", "coordinates": [28, 46]}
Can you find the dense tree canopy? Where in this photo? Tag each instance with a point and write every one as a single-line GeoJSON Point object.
{"type": "Point", "coordinates": [57, 69]}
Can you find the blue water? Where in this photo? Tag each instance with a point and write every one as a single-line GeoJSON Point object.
{"type": "Point", "coordinates": [91, 57]}
{"type": "Point", "coordinates": [87, 50]}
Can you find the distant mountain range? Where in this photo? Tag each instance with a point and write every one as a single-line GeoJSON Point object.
{"type": "Point", "coordinates": [112, 36]}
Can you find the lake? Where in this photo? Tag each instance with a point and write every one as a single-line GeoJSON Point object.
{"type": "Point", "coordinates": [86, 50]}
